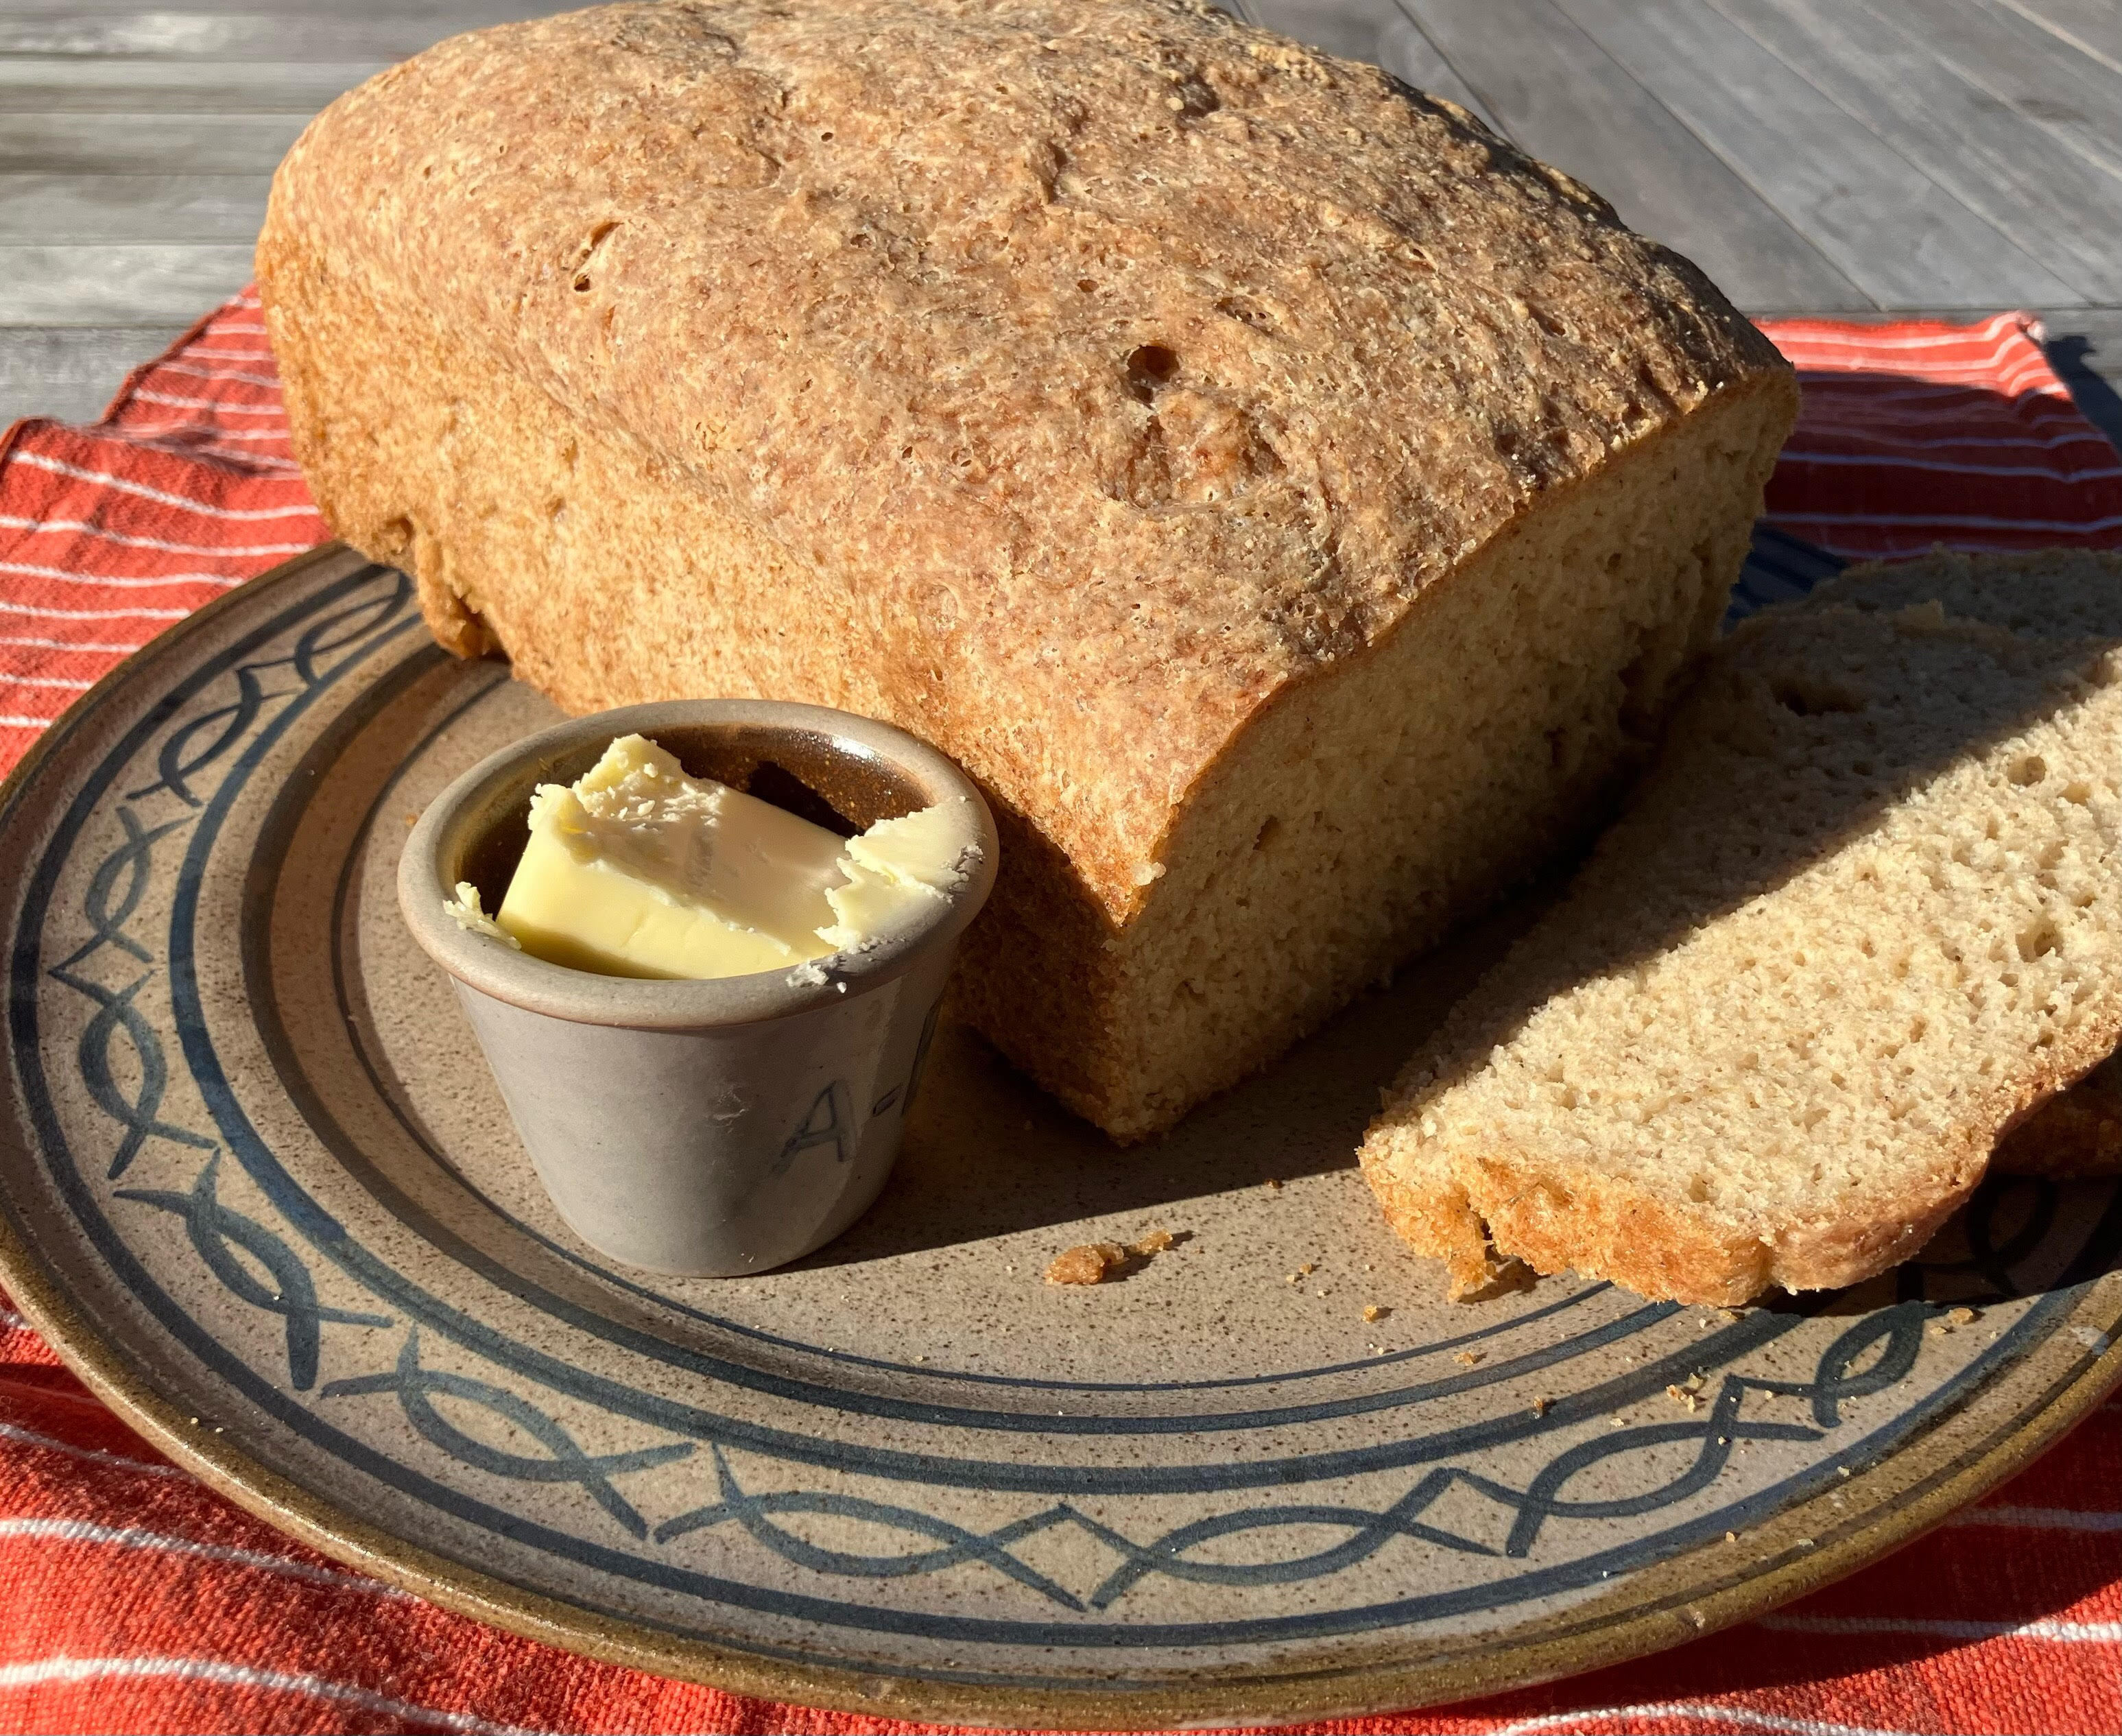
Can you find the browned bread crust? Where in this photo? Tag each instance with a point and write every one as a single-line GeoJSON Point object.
{"type": "Point", "coordinates": [1075, 382]}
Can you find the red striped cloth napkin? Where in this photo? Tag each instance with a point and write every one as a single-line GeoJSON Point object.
{"type": "Point", "coordinates": [139, 1601]}
{"type": "Point", "coordinates": [109, 533]}
{"type": "Point", "coordinates": [1925, 432]}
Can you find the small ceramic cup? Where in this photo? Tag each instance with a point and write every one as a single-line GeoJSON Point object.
{"type": "Point", "coordinates": [703, 1128]}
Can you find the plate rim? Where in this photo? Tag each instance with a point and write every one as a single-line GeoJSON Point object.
{"type": "Point", "coordinates": [317, 1521]}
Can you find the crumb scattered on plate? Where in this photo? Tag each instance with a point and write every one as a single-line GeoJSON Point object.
{"type": "Point", "coordinates": [1467, 1358]}
{"type": "Point", "coordinates": [1371, 1311]}
{"type": "Point", "coordinates": [1087, 1262]}
{"type": "Point", "coordinates": [1093, 1262]}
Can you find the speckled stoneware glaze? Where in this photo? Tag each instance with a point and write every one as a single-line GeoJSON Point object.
{"type": "Point", "coordinates": [261, 1190]}
{"type": "Point", "coordinates": [703, 1128]}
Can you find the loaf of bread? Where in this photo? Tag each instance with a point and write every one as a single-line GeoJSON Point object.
{"type": "Point", "coordinates": [1294, 505]}
{"type": "Point", "coordinates": [1864, 913]}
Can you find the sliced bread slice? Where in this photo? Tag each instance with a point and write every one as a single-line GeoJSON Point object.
{"type": "Point", "coordinates": [1864, 914]}
{"type": "Point", "coordinates": [2049, 593]}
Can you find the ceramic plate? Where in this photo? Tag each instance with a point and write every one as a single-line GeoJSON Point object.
{"type": "Point", "coordinates": [262, 1193]}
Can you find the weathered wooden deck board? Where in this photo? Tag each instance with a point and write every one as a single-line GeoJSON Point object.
{"type": "Point", "coordinates": [130, 144]}
{"type": "Point", "coordinates": [1816, 154]}
{"type": "Point", "coordinates": [1405, 52]}
{"type": "Point", "coordinates": [1889, 228]}
{"type": "Point", "coordinates": [2050, 200]}
{"type": "Point", "coordinates": [1380, 33]}
{"type": "Point", "coordinates": [2033, 73]}
{"type": "Point", "coordinates": [1558, 94]}
{"type": "Point", "coordinates": [70, 374]}
{"type": "Point", "coordinates": [52, 84]}
{"type": "Point", "coordinates": [2092, 26]}
{"type": "Point", "coordinates": [447, 15]}
{"type": "Point", "coordinates": [292, 34]}
{"type": "Point", "coordinates": [181, 209]}
{"type": "Point", "coordinates": [120, 285]}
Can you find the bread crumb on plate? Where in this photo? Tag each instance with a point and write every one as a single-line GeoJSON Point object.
{"type": "Point", "coordinates": [1093, 1262]}
{"type": "Point", "coordinates": [1087, 1262]}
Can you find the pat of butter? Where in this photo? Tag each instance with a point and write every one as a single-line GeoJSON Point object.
{"type": "Point", "coordinates": [638, 870]}
{"type": "Point", "coordinates": [891, 872]}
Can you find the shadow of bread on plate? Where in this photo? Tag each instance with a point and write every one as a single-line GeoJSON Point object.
{"type": "Point", "coordinates": [1296, 506]}
{"type": "Point", "coordinates": [2074, 1136]}
{"type": "Point", "coordinates": [1862, 915]}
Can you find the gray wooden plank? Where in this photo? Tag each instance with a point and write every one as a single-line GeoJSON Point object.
{"type": "Point", "coordinates": [1558, 94]}
{"type": "Point", "coordinates": [71, 375]}
{"type": "Point", "coordinates": [1375, 31]}
{"type": "Point", "coordinates": [2058, 87]}
{"type": "Point", "coordinates": [2052, 203]}
{"type": "Point", "coordinates": [132, 207]}
{"type": "Point", "coordinates": [1893, 231]}
{"type": "Point", "coordinates": [1406, 53]}
{"type": "Point", "coordinates": [140, 144]}
{"type": "Point", "coordinates": [1346, 27]}
{"type": "Point", "coordinates": [52, 84]}
{"type": "Point", "coordinates": [472, 13]}
{"type": "Point", "coordinates": [348, 34]}
{"type": "Point", "coordinates": [128, 285]}
{"type": "Point", "coordinates": [2092, 26]}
